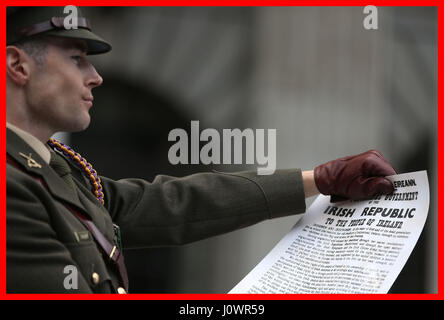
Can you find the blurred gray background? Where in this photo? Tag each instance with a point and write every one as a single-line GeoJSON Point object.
{"type": "Point", "coordinates": [330, 87]}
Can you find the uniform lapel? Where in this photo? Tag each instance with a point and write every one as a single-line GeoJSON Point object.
{"type": "Point", "coordinates": [31, 162]}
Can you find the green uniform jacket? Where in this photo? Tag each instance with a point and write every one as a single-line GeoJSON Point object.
{"type": "Point", "coordinates": [45, 239]}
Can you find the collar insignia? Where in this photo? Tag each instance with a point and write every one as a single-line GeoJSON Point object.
{"type": "Point", "coordinates": [31, 162]}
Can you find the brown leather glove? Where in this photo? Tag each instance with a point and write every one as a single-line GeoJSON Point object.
{"type": "Point", "coordinates": [355, 177]}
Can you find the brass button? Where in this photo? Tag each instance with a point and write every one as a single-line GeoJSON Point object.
{"type": "Point", "coordinates": [95, 278]}
{"type": "Point", "coordinates": [120, 290]}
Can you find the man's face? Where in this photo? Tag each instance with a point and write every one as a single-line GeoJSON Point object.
{"type": "Point", "coordinates": [59, 91]}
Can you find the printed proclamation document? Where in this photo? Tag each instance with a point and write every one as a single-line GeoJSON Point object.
{"type": "Point", "coordinates": [346, 247]}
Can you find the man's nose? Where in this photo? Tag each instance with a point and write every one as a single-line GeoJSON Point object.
{"type": "Point", "coordinates": [94, 78]}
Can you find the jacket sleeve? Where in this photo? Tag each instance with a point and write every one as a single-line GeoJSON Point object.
{"type": "Point", "coordinates": [172, 211]}
{"type": "Point", "coordinates": [36, 259]}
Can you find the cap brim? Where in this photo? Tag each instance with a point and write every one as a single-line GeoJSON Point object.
{"type": "Point", "coordinates": [96, 45]}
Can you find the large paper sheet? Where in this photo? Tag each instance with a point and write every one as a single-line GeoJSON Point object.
{"type": "Point", "coordinates": [346, 247]}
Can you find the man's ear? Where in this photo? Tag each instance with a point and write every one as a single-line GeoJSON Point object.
{"type": "Point", "coordinates": [17, 65]}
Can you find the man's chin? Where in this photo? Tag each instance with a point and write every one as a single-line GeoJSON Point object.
{"type": "Point", "coordinates": [79, 126]}
{"type": "Point", "coordinates": [83, 128]}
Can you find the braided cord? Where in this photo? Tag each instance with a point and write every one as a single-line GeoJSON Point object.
{"type": "Point", "coordinates": [84, 166]}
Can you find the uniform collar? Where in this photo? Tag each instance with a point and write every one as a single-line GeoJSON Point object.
{"type": "Point", "coordinates": [41, 149]}
{"type": "Point", "coordinates": [30, 161]}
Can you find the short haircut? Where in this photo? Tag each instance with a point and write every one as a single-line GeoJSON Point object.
{"type": "Point", "coordinates": [36, 47]}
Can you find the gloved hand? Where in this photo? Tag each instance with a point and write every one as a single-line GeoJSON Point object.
{"type": "Point", "coordinates": [355, 177]}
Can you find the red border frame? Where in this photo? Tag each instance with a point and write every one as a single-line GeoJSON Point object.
{"type": "Point", "coordinates": [5, 296]}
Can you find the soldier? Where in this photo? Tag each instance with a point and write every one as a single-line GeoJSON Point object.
{"type": "Point", "coordinates": [66, 224]}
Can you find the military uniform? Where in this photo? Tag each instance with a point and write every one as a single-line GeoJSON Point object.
{"type": "Point", "coordinates": [44, 236]}
{"type": "Point", "coordinates": [61, 220]}
{"type": "Point", "coordinates": [62, 229]}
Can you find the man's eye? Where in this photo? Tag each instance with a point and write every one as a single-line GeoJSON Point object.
{"type": "Point", "coordinates": [77, 59]}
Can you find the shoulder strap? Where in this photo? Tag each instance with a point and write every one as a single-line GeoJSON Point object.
{"type": "Point", "coordinates": [110, 250]}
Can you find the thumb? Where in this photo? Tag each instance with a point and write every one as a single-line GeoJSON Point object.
{"type": "Point", "coordinates": [379, 185]}
{"type": "Point", "coordinates": [366, 188]}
